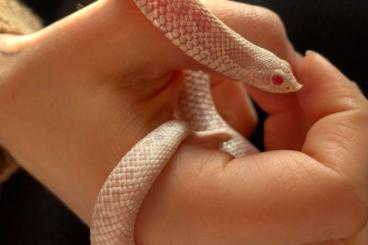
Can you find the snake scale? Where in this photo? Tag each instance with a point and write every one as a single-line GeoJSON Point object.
{"type": "Point", "coordinates": [190, 26]}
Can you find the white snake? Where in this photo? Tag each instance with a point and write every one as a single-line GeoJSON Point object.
{"type": "Point", "coordinates": [194, 29]}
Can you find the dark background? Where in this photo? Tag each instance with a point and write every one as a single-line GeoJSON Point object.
{"type": "Point", "coordinates": [29, 214]}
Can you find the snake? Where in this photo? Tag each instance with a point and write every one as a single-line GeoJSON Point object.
{"type": "Point", "coordinates": [189, 25]}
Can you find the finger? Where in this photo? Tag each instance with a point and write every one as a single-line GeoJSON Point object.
{"type": "Point", "coordinates": [285, 131]}
{"type": "Point", "coordinates": [234, 105]}
{"type": "Point", "coordinates": [9, 47]}
{"type": "Point", "coordinates": [264, 28]}
{"type": "Point", "coordinates": [284, 110]}
{"type": "Point", "coordinates": [321, 78]}
{"type": "Point", "coordinates": [339, 113]}
{"type": "Point", "coordinates": [285, 127]}
{"type": "Point", "coordinates": [259, 25]}
{"type": "Point", "coordinates": [246, 20]}
{"type": "Point", "coordinates": [241, 17]}
{"type": "Point", "coordinates": [306, 214]}
{"type": "Point", "coordinates": [279, 197]}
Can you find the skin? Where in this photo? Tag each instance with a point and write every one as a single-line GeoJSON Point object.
{"type": "Point", "coordinates": [68, 118]}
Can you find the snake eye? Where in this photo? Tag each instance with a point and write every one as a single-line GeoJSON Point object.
{"type": "Point", "coordinates": [277, 80]}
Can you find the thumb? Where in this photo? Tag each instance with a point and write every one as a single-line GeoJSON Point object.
{"type": "Point", "coordinates": [113, 37]}
{"type": "Point", "coordinates": [339, 114]}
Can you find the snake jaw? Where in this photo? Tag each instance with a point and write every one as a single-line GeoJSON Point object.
{"type": "Point", "coordinates": [288, 87]}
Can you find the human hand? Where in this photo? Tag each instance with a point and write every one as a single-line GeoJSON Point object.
{"type": "Point", "coordinates": [75, 120]}
{"type": "Point", "coordinates": [308, 187]}
{"type": "Point", "coordinates": [76, 96]}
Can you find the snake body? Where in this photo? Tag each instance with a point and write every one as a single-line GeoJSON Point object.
{"type": "Point", "coordinates": [189, 25]}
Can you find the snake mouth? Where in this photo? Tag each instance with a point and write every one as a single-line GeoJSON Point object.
{"type": "Point", "coordinates": [293, 86]}
{"type": "Point", "coordinates": [298, 87]}
{"type": "Point", "coordinates": [286, 89]}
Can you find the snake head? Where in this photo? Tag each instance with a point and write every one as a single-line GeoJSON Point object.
{"type": "Point", "coordinates": [275, 75]}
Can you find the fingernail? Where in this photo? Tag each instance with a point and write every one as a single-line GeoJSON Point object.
{"type": "Point", "coordinates": [356, 85]}
{"type": "Point", "coordinates": [318, 56]}
{"type": "Point", "coordinates": [299, 56]}
{"type": "Point", "coordinates": [12, 44]}
{"type": "Point", "coordinates": [310, 52]}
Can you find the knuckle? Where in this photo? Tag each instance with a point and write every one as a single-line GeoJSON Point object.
{"type": "Point", "coordinates": [273, 31]}
{"type": "Point", "coordinates": [360, 117]}
{"type": "Point", "coordinates": [270, 20]}
{"type": "Point", "coordinates": [259, 25]}
{"type": "Point", "coordinates": [269, 15]}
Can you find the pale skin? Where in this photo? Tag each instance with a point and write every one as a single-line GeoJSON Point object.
{"type": "Point", "coordinates": [76, 96]}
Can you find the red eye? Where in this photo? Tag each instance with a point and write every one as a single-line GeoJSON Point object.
{"type": "Point", "coordinates": [277, 80]}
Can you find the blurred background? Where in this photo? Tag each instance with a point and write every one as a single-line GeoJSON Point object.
{"type": "Point", "coordinates": [338, 29]}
